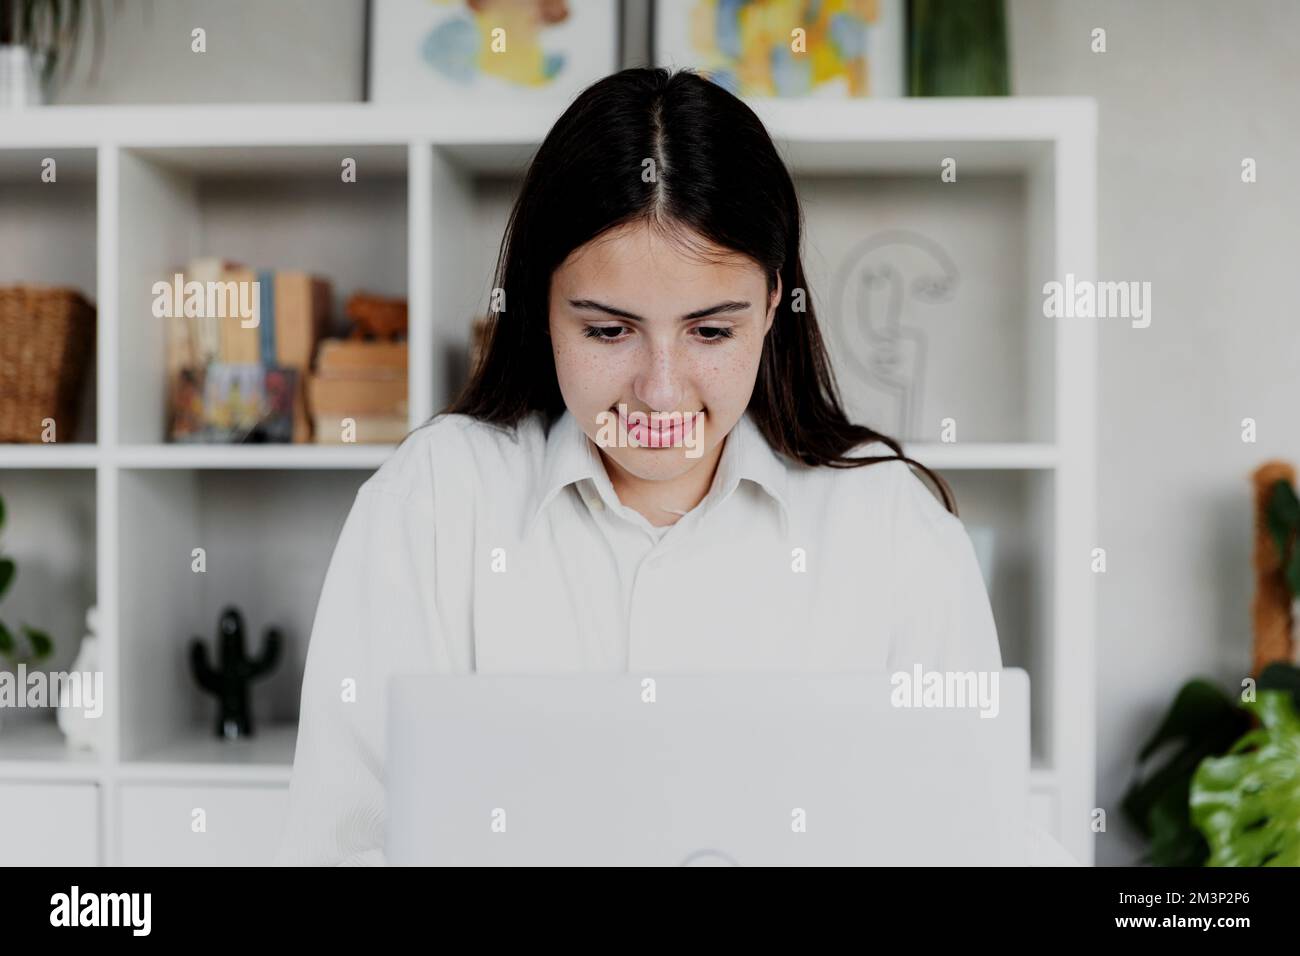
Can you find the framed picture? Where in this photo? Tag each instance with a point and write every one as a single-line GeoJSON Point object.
{"type": "Point", "coordinates": [787, 48]}
{"type": "Point", "coordinates": [490, 50]}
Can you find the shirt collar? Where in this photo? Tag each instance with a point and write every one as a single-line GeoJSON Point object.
{"type": "Point", "coordinates": [571, 456]}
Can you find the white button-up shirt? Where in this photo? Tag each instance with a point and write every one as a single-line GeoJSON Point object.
{"type": "Point", "coordinates": [475, 550]}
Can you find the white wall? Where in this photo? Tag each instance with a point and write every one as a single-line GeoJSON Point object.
{"type": "Point", "coordinates": [1186, 89]}
{"type": "Point", "coordinates": [257, 51]}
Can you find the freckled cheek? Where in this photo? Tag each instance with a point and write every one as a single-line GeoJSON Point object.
{"type": "Point", "coordinates": [589, 369]}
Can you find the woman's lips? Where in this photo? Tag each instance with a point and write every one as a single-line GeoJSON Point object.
{"type": "Point", "coordinates": [670, 432]}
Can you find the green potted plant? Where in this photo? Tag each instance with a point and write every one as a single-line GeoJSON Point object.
{"type": "Point", "coordinates": [30, 644]}
{"type": "Point", "coordinates": [1228, 791]}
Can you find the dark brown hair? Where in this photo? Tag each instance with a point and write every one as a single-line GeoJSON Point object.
{"type": "Point", "coordinates": [717, 176]}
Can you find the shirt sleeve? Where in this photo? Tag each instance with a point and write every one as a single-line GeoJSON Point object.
{"type": "Point", "coordinates": [375, 619]}
{"type": "Point", "coordinates": [942, 618]}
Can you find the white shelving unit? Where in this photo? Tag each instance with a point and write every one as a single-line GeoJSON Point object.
{"type": "Point", "coordinates": [147, 188]}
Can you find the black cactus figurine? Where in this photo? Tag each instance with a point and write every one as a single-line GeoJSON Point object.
{"type": "Point", "coordinates": [229, 680]}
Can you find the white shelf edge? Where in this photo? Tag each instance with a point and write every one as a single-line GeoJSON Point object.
{"type": "Point", "coordinates": [990, 455]}
{"type": "Point", "coordinates": [904, 119]}
{"type": "Point", "coordinates": [250, 456]}
{"type": "Point", "coordinates": [70, 455]}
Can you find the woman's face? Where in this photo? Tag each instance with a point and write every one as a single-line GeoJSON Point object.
{"type": "Point", "coordinates": [641, 325]}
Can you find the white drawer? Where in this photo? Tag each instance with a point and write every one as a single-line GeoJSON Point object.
{"type": "Point", "coordinates": [242, 824]}
{"type": "Point", "coordinates": [49, 824]}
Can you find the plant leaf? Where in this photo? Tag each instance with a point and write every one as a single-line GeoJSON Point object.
{"type": "Point", "coordinates": [1202, 721]}
{"type": "Point", "coordinates": [6, 641]}
{"type": "Point", "coordinates": [1174, 841]}
{"type": "Point", "coordinates": [1282, 515]}
{"type": "Point", "coordinates": [1247, 803]}
{"type": "Point", "coordinates": [1281, 676]}
{"type": "Point", "coordinates": [1199, 707]}
{"type": "Point", "coordinates": [7, 571]}
{"type": "Point", "coordinates": [41, 643]}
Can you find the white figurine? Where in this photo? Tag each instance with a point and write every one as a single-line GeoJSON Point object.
{"type": "Point", "coordinates": [82, 730]}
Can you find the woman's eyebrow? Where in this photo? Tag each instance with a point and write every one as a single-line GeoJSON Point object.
{"type": "Point", "coordinates": [719, 309]}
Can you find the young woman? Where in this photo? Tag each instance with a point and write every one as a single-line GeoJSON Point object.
{"type": "Point", "coordinates": [649, 469]}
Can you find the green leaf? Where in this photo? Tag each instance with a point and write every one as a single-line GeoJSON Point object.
{"type": "Point", "coordinates": [1174, 841]}
{"type": "Point", "coordinates": [7, 571]}
{"type": "Point", "coordinates": [1247, 803]}
{"type": "Point", "coordinates": [1201, 722]}
{"type": "Point", "coordinates": [6, 641]}
{"type": "Point", "coordinates": [42, 646]}
{"type": "Point", "coordinates": [1282, 516]}
{"type": "Point", "coordinates": [1281, 676]}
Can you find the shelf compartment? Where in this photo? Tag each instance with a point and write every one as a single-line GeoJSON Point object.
{"type": "Point", "coordinates": [267, 537]}
{"type": "Point", "coordinates": [48, 234]}
{"type": "Point", "coordinates": [267, 207]}
{"type": "Point", "coordinates": [50, 532]}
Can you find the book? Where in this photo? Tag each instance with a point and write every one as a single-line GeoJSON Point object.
{"type": "Point", "coordinates": [368, 429]}
{"type": "Point", "coordinates": [341, 358]}
{"type": "Point", "coordinates": [353, 397]}
{"type": "Point", "coordinates": [240, 343]}
{"type": "Point", "coordinates": [266, 328]}
{"type": "Point", "coordinates": [302, 304]}
{"type": "Point", "coordinates": [205, 330]}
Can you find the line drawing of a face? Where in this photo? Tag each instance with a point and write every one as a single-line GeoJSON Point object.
{"type": "Point", "coordinates": [659, 362]}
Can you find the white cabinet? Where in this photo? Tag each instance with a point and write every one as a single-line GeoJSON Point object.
{"type": "Point", "coordinates": [214, 825]}
{"type": "Point", "coordinates": [49, 824]}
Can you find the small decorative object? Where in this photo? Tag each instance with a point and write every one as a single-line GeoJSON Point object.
{"type": "Point", "coordinates": [233, 673]}
{"type": "Point", "coordinates": [1227, 792]}
{"type": "Point", "coordinates": [957, 48]}
{"type": "Point", "coordinates": [35, 36]}
{"type": "Point", "coordinates": [536, 51]}
{"type": "Point", "coordinates": [82, 731]}
{"type": "Point", "coordinates": [376, 317]}
{"type": "Point", "coordinates": [880, 285]}
{"type": "Point", "coordinates": [30, 645]}
{"type": "Point", "coordinates": [786, 48]}
{"type": "Point", "coordinates": [47, 346]}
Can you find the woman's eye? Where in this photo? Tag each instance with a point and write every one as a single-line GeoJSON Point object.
{"type": "Point", "coordinates": [598, 332]}
{"type": "Point", "coordinates": [720, 333]}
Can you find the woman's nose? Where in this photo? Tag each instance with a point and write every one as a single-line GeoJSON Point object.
{"type": "Point", "coordinates": [658, 383]}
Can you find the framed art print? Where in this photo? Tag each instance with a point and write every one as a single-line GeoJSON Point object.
{"type": "Point", "coordinates": [490, 50]}
{"type": "Point", "coordinates": [787, 48]}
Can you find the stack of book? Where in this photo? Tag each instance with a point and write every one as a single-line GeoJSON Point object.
{"type": "Point", "coordinates": [240, 344]}
{"type": "Point", "coordinates": [358, 393]}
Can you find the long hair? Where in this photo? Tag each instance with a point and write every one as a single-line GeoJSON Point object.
{"type": "Point", "coordinates": [718, 176]}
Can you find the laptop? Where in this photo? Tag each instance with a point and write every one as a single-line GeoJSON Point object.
{"type": "Point", "coordinates": [708, 770]}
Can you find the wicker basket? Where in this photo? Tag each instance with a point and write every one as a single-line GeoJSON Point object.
{"type": "Point", "coordinates": [47, 340]}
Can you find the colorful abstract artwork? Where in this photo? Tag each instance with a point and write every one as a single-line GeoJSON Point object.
{"type": "Point", "coordinates": [786, 48]}
{"type": "Point", "coordinates": [544, 49]}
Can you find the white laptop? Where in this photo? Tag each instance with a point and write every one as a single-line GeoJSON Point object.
{"type": "Point", "coordinates": [739, 770]}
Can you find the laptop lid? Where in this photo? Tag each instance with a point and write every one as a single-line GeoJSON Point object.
{"type": "Point", "coordinates": [741, 769]}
